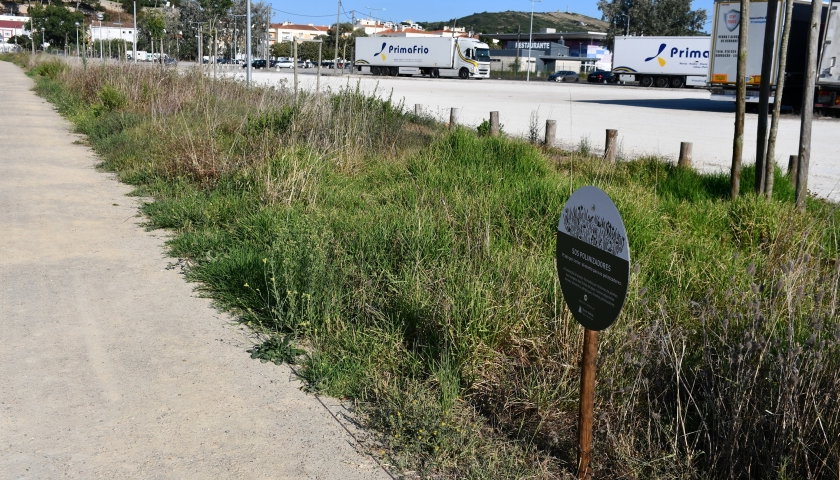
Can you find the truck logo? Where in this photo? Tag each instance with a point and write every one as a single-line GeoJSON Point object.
{"type": "Point", "coordinates": [381, 50]}
{"type": "Point", "coordinates": [732, 19]}
{"type": "Point", "coordinates": [657, 56]}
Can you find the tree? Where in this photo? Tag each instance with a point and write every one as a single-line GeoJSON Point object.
{"type": "Point", "coordinates": [23, 40]}
{"type": "Point", "coordinates": [58, 23]}
{"type": "Point", "coordinates": [651, 17]}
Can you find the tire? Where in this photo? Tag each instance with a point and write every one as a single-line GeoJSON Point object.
{"type": "Point", "coordinates": [463, 74]}
{"type": "Point", "coordinates": [435, 73]}
{"type": "Point", "coordinates": [394, 71]}
{"type": "Point", "coordinates": [677, 82]}
{"type": "Point", "coordinates": [645, 81]}
{"type": "Point", "coordinates": [374, 70]}
{"type": "Point", "coordinates": [660, 82]}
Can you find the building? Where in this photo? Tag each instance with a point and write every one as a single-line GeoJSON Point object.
{"type": "Point", "coordinates": [12, 26]}
{"type": "Point", "coordinates": [550, 51]}
{"type": "Point", "coordinates": [286, 31]}
{"type": "Point", "coordinates": [106, 31]}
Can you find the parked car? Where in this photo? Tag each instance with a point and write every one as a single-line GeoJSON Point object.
{"type": "Point", "coordinates": [256, 64]}
{"type": "Point", "coordinates": [564, 76]}
{"type": "Point", "coordinates": [602, 76]}
{"type": "Point", "coordinates": [284, 63]}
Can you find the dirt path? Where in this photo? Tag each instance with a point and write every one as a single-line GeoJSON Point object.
{"type": "Point", "coordinates": [110, 367]}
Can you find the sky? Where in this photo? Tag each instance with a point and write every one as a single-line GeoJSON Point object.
{"type": "Point", "coordinates": [323, 12]}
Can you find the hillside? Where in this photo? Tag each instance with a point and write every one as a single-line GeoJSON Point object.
{"type": "Point", "coordinates": [512, 22]}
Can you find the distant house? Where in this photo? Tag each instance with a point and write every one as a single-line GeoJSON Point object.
{"type": "Point", "coordinates": [12, 28]}
{"type": "Point", "coordinates": [106, 31]}
{"type": "Point", "coordinates": [286, 31]}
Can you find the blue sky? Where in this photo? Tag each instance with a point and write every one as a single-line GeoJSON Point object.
{"type": "Point", "coordinates": [322, 12]}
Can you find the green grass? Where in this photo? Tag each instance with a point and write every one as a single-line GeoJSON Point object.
{"type": "Point", "coordinates": [410, 269]}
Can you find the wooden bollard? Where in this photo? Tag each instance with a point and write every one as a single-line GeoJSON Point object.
{"type": "Point", "coordinates": [611, 145]}
{"type": "Point", "coordinates": [550, 132]}
{"type": "Point", "coordinates": [453, 117]}
{"type": "Point", "coordinates": [685, 155]}
{"type": "Point", "coordinates": [418, 109]}
{"type": "Point", "coordinates": [793, 166]}
{"type": "Point", "coordinates": [495, 129]}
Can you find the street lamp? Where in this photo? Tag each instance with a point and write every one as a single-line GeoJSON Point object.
{"type": "Point", "coordinates": [530, 41]}
{"type": "Point", "coordinates": [43, 40]}
{"type": "Point", "coordinates": [77, 39]}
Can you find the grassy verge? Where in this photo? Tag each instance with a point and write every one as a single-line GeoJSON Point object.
{"type": "Point", "coordinates": [410, 269]}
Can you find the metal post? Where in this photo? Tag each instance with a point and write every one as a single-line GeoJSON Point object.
{"type": "Point", "coordinates": [337, 35]}
{"type": "Point", "coordinates": [530, 41]}
{"type": "Point", "coordinates": [134, 37]}
{"type": "Point", "coordinates": [248, 43]}
{"type": "Point", "coordinates": [294, 65]}
{"type": "Point", "coordinates": [77, 39]}
{"type": "Point", "coordinates": [318, 77]}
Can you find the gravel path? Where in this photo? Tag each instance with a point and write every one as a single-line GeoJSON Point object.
{"type": "Point", "coordinates": [110, 366]}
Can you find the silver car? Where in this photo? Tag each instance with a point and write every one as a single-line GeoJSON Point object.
{"type": "Point", "coordinates": [564, 76]}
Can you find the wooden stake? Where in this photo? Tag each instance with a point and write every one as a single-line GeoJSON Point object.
{"type": "Point", "coordinates": [453, 117]}
{"type": "Point", "coordinates": [685, 155]}
{"type": "Point", "coordinates": [495, 128]}
{"type": "Point", "coordinates": [793, 166]}
{"type": "Point", "coordinates": [611, 145]}
{"type": "Point", "coordinates": [550, 132]}
{"type": "Point", "coordinates": [587, 402]}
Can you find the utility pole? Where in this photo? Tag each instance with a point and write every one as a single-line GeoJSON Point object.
{"type": "Point", "coordinates": [134, 55]}
{"type": "Point", "coordinates": [248, 43]}
{"type": "Point", "coordinates": [530, 42]}
{"type": "Point", "coordinates": [337, 34]}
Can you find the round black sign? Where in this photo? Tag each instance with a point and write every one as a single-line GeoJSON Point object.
{"type": "Point", "coordinates": [593, 258]}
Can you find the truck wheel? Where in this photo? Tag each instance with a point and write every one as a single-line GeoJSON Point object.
{"type": "Point", "coordinates": [393, 71]}
{"type": "Point", "coordinates": [645, 81]}
{"type": "Point", "coordinates": [374, 70]}
{"type": "Point", "coordinates": [463, 73]}
{"type": "Point", "coordinates": [677, 82]}
{"type": "Point", "coordinates": [435, 73]}
{"type": "Point", "coordinates": [660, 82]}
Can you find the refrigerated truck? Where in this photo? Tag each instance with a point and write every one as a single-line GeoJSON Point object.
{"type": "Point", "coordinates": [662, 61]}
{"type": "Point", "coordinates": [724, 61]}
{"type": "Point", "coordinates": [461, 57]}
{"type": "Point", "coordinates": [828, 78]}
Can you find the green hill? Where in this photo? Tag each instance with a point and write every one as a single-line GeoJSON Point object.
{"type": "Point", "coordinates": [513, 22]}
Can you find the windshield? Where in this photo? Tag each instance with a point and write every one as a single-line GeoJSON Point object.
{"type": "Point", "coordinates": [482, 54]}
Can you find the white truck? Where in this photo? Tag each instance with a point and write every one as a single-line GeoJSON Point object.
{"type": "Point", "coordinates": [723, 68]}
{"type": "Point", "coordinates": [828, 78]}
{"type": "Point", "coordinates": [461, 57]}
{"type": "Point", "coordinates": [662, 61]}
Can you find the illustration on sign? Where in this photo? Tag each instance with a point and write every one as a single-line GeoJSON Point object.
{"type": "Point", "coordinates": [593, 258]}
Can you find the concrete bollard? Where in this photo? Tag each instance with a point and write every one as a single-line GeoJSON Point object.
{"type": "Point", "coordinates": [495, 129]}
{"type": "Point", "coordinates": [550, 132]}
{"type": "Point", "coordinates": [611, 145]}
{"type": "Point", "coordinates": [685, 155]}
{"type": "Point", "coordinates": [793, 166]}
{"type": "Point", "coordinates": [418, 109]}
{"type": "Point", "coordinates": [453, 117]}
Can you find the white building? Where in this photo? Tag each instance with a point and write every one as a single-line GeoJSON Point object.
{"type": "Point", "coordinates": [105, 31]}
{"type": "Point", "coordinates": [286, 31]}
{"type": "Point", "coordinates": [12, 26]}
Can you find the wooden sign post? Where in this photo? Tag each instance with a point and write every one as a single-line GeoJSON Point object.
{"type": "Point", "coordinates": [593, 264]}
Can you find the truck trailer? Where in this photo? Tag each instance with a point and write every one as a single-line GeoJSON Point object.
{"type": "Point", "coordinates": [662, 61]}
{"type": "Point", "coordinates": [723, 67]}
{"type": "Point", "coordinates": [461, 57]}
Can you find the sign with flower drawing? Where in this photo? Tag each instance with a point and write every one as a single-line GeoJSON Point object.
{"type": "Point", "coordinates": [593, 258]}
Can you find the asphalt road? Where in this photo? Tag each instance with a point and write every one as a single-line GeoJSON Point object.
{"type": "Point", "coordinates": [111, 367]}
{"type": "Point", "coordinates": [650, 121]}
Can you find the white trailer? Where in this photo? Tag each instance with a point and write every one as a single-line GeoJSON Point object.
{"type": "Point", "coordinates": [460, 57]}
{"type": "Point", "coordinates": [662, 61]}
{"type": "Point", "coordinates": [828, 79]}
{"type": "Point", "coordinates": [723, 69]}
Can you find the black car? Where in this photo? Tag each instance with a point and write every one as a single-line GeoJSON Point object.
{"type": "Point", "coordinates": [602, 76]}
{"type": "Point", "coordinates": [564, 76]}
{"type": "Point", "coordinates": [256, 64]}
